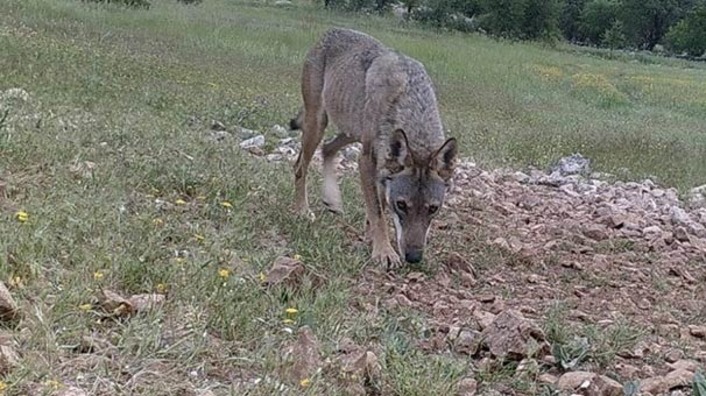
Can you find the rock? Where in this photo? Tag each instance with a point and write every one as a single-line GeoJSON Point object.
{"type": "Point", "coordinates": [697, 331]}
{"type": "Point", "coordinates": [483, 318]}
{"type": "Point", "coordinates": [302, 357]}
{"type": "Point", "coordinates": [574, 164]}
{"type": "Point", "coordinates": [8, 359]}
{"type": "Point", "coordinates": [254, 142]}
{"type": "Point", "coordinates": [574, 380]}
{"type": "Point", "coordinates": [652, 231]}
{"type": "Point", "coordinates": [356, 368]}
{"type": "Point", "coordinates": [278, 130]}
{"type": "Point", "coordinates": [8, 307]}
{"type": "Point", "coordinates": [597, 233]}
{"type": "Point", "coordinates": [673, 356]}
{"type": "Point", "coordinates": [683, 364]}
{"type": "Point", "coordinates": [512, 336]}
{"type": "Point", "coordinates": [284, 270]}
{"type": "Point", "coordinates": [605, 386]}
{"type": "Point", "coordinates": [468, 342]}
{"type": "Point", "coordinates": [283, 3]}
{"type": "Point", "coordinates": [678, 216]}
{"type": "Point", "coordinates": [547, 378]}
{"type": "Point", "coordinates": [467, 387]}
{"type": "Point", "coordinates": [218, 126]}
{"type": "Point", "coordinates": [662, 384]}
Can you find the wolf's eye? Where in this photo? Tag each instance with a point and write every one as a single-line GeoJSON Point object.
{"type": "Point", "coordinates": [401, 206]}
{"type": "Point", "coordinates": [433, 209]}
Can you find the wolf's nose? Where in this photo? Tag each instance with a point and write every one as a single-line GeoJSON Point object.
{"type": "Point", "coordinates": [413, 256]}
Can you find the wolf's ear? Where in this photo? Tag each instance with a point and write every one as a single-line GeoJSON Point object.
{"type": "Point", "coordinates": [444, 160]}
{"type": "Point", "coordinates": [399, 155]}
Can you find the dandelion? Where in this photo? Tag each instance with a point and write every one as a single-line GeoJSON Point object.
{"type": "Point", "coordinates": [291, 311]}
{"type": "Point", "coordinates": [224, 273]}
{"type": "Point", "coordinates": [85, 307]}
{"type": "Point", "coordinates": [98, 275]}
{"type": "Point", "coordinates": [305, 383]}
{"type": "Point", "coordinates": [161, 288]}
{"type": "Point", "coordinates": [180, 202]}
{"type": "Point", "coordinates": [22, 216]}
{"type": "Point", "coordinates": [227, 205]}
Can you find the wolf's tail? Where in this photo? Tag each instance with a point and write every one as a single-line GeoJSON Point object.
{"type": "Point", "coordinates": [296, 122]}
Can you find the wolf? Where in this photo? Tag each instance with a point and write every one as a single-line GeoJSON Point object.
{"type": "Point", "coordinates": [386, 101]}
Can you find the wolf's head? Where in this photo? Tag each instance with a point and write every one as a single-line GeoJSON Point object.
{"type": "Point", "coordinates": [415, 189]}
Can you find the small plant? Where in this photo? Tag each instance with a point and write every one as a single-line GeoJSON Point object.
{"type": "Point", "coordinates": [631, 388]}
{"type": "Point", "coordinates": [699, 385]}
{"type": "Point", "coordinates": [572, 353]}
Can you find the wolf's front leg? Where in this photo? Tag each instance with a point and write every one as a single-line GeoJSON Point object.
{"type": "Point", "coordinates": [383, 253]}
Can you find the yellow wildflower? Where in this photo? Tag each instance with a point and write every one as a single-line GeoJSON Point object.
{"type": "Point", "coordinates": [16, 281]}
{"type": "Point", "coordinates": [305, 382]}
{"type": "Point", "coordinates": [288, 321]}
{"type": "Point", "coordinates": [85, 307]}
{"type": "Point", "coordinates": [158, 222]}
{"type": "Point", "coordinates": [297, 257]}
{"type": "Point", "coordinates": [291, 311]}
{"type": "Point", "coordinates": [180, 202]}
{"type": "Point", "coordinates": [3, 386]}
{"type": "Point", "coordinates": [54, 384]}
{"type": "Point", "coordinates": [262, 276]}
{"type": "Point", "coordinates": [22, 216]}
{"type": "Point", "coordinates": [180, 260]}
{"type": "Point", "coordinates": [161, 288]}
{"type": "Point", "coordinates": [98, 275]}
{"type": "Point", "coordinates": [226, 204]}
{"type": "Point", "coordinates": [224, 272]}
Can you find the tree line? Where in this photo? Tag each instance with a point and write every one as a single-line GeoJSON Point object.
{"type": "Point", "coordinates": [675, 26]}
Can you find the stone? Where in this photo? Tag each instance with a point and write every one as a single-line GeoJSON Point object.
{"type": "Point", "coordinates": [467, 387]}
{"type": "Point", "coordinates": [253, 142]}
{"type": "Point", "coordinates": [574, 164]}
{"type": "Point", "coordinates": [8, 359]}
{"type": "Point", "coordinates": [278, 130]}
{"type": "Point", "coordinates": [574, 380]}
{"type": "Point", "coordinates": [512, 336]}
{"type": "Point", "coordinates": [8, 307]}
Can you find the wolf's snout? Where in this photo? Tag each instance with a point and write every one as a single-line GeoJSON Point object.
{"type": "Point", "coordinates": [413, 256]}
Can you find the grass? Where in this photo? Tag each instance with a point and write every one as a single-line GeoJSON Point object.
{"type": "Point", "coordinates": [134, 93]}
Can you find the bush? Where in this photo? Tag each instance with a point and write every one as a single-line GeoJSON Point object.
{"type": "Point", "coordinates": [129, 3]}
{"type": "Point", "coordinates": [689, 34]}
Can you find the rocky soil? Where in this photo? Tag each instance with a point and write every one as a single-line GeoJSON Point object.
{"type": "Point", "coordinates": [532, 262]}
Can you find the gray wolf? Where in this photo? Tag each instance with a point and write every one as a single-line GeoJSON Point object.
{"type": "Point", "coordinates": [386, 101]}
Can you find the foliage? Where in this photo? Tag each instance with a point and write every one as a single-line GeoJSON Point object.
{"type": "Point", "coordinates": [129, 3]}
{"type": "Point", "coordinates": [689, 35]}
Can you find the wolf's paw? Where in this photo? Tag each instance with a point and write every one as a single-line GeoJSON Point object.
{"type": "Point", "coordinates": [304, 212]}
{"type": "Point", "coordinates": [387, 258]}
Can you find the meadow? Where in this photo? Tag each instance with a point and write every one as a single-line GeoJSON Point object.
{"type": "Point", "coordinates": [111, 159]}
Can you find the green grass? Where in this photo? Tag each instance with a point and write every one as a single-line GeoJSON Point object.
{"type": "Point", "coordinates": [134, 92]}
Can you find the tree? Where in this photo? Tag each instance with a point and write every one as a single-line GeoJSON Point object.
{"type": "Point", "coordinates": [689, 34]}
{"type": "Point", "coordinates": [614, 37]}
{"type": "Point", "coordinates": [542, 19]}
{"type": "Point", "coordinates": [596, 18]}
{"type": "Point", "coordinates": [569, 19]}
{"type": "Point", "coordinates": [647, 21]}
{"type": "Point", "coordinates": [505, 17]}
